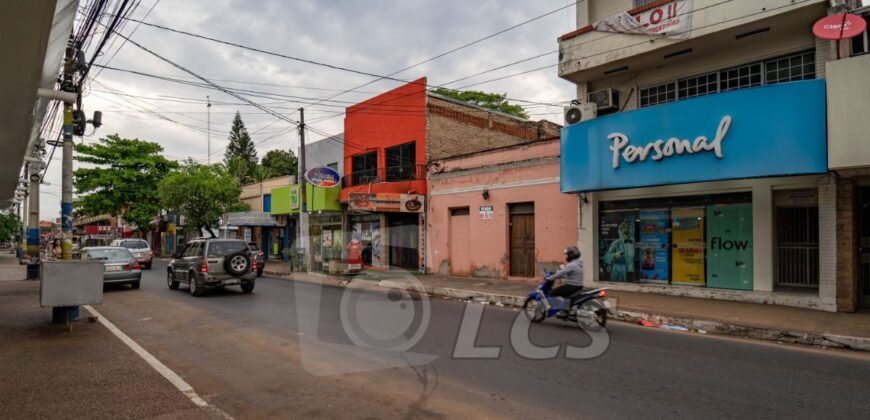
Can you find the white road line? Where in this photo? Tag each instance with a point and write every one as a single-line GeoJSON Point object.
{"type": "Point", "coordinates": [162, 369]}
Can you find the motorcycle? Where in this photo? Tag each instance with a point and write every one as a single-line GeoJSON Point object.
{"type": "Point", "coordinates": [588, 308]}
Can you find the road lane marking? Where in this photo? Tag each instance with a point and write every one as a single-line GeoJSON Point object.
{"type": "Point", "coordinates": [157, 365]}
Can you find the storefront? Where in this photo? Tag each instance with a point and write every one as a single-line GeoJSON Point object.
{"type": "Point", "coordinates": [387, 229]}
{"type": "Point", "coordinates": [325, 233]}
{"type": "Point", "coordinates": [720, 196]}
{"type": "Point", "coordinates": [260, 228]}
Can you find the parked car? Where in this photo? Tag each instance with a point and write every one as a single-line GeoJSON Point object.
{"type": "Point", "coordinates": [212, 262]}
{"type": "Point", "coordinates": [139, 248]}
{"type": "Point", "coordinates": [120, 265]}
{"type": "Point", "coordinates": [258, 255]}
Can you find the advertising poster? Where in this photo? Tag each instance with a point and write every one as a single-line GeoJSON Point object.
{"type": "Point", "coordinates": [729, 246]}
{"type": "Point", "coordinates": [687, 257]}
{"type": "Point", "coordinates": [616, 245]}
{"type": "Point", "coordinates": [653, 245]}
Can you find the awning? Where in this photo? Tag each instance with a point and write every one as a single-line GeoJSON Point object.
{"type": "Point", "coordinates": [250, 218]}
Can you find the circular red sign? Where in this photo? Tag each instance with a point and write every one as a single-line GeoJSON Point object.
{"type": "Point", "coordinates": [841, 26]}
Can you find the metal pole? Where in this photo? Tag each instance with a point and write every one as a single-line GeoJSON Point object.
{"type": "Point", "coordinates": [302, 238]}
{"type": "Point", "coordinates": [33, 227]}
{"type": "Point", "coordinates": [208, 108]}
{"type": "Point", "coordinates": [66, 184]}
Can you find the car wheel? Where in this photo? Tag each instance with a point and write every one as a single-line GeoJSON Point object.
{"type": "Point", "coordinates": [195, 289]}
{"type": "Point", "coordinates": [136, 284]}
{"type": "Point", "coordinates": [259, 272]}
{"type": "Point", "coordinates": [248, 287]}
{"type": "Point", "coordinates": [237, 264]}
{"type": "Point", "coordinates": [171, 282]}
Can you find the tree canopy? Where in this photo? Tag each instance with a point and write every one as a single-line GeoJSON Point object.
{"type": "Point", "coordinates": [10, 226]}
{"type": "Point", "coordinates": [494, 101]}
{"type": "Point", "coordinates": [201, 193]}
{"type": "Point", "coordinates": [122, 180]}
{"type": "Point", "coordinates": [240, 156]}
{"type": "Point", "coordinates": [279, 163]}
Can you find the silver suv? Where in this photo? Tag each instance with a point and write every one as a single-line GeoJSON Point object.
{"type": "Point", "coordinates": [139, 248]}
{"type": "Point", "coordinates": [212, 262]}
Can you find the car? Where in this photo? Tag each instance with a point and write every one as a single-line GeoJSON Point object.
{"type": "Point", "coordinates": [139, 248]}
{"type": "Point", "coordinates": [120, 266]}
{"type": "Point", "coordinates": [259, 256]}
{"type": "Point", "coordinates": [212, 262]}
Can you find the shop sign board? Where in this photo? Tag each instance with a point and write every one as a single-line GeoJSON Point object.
{"type": "Point", "coordinates": [714, 137]}
{"type": "Point", "coordinates": [486, 212]}
{"type": "Point", "coordinates": [839, 26]}
{"type": "Point", "coordinates": [323, 176]}
{"type": "Point", "coordinates": [654, 245]}
{"type": "Point", "coordinates": [386, 202]}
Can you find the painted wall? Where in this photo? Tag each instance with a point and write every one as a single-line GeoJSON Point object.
{"type": "Point", "coordinates": [253, 193]}
{"type": "Point", "coordinates": [848, 102]}
{"type": "Point", "coordinates": [528, 173]}
{"type": "Point", "coordinates": [390, 119]}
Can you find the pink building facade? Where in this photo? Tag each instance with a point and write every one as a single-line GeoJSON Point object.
{"type": "Point", "coordinates": [499, 213]}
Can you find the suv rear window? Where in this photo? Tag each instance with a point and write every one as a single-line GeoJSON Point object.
{"type": "Point", "coordinates": [134, 244]}
{"type": "Point", "coordinates": [224, 248]}
{"type": "Point", "coordinates": [253, 247]}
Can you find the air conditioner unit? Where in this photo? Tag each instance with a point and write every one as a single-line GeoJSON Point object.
{"type": "Point", "coordinates": [580, 112]}
{"type": "Point", "coordinates": [607, 100]}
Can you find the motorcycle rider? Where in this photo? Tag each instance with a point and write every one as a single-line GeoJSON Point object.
{"type": "Point", "coordinates": [572, 272]}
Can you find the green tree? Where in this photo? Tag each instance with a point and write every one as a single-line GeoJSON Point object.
{"type": "Point", "coordinates": [121, 178]}
{"type": "Point", "coordinates": [10, 226]}
{"type": "Point", "coordinates": [280, 162]}
{"type": "Point", "coordinates": [202, 193]}
{"type": "Point", "coordinates": [494, 101]}
{"type": "Point", "coordinates": [241, 147]}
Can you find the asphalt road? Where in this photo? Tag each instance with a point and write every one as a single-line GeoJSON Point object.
{"type": "Point", "coordinates": [249, 355]}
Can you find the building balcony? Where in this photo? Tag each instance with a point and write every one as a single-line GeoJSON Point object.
{"type": "Point", "coordinates": [385, 174]}
{"type": "Point", "coordinates": [587, 54]}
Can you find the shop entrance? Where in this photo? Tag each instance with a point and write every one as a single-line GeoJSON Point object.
{"type": "Point", "coordinates": [460, 249]}
{"type": "Point", "coordinates": [864, 245]}
{"type": "Point", "coordinates": [522, 240]}
{"type": "Point", "coordinates": [404, 240]}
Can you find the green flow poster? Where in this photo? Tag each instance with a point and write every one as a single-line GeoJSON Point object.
{"type": "Point", "coordinates": [729, 246]}
{"type": "Point", "coordinates": [687, 258]}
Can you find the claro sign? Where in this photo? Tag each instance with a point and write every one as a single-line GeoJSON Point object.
{"type": "Point", "coordinates": [765, 131]}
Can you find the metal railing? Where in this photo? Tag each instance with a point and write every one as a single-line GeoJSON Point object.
{"type": "Point", "coordinates": [388, 174]}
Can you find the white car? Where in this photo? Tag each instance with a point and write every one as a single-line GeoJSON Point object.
{"type": "Point", "coordinates": [140, 249]}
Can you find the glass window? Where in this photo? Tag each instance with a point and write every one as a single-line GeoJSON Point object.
{"type": "Point", "coordinates": [695, 240]}
{"type": "Point", "coordinates": [791, 68]}
{"type": "Point", "coordinates": [193, 249]}
{"type": "Point", "coordinates": [659, 94]}
{"type": "Point", "coordinates": [861, 43]}
{"type": "Point", "coordinates": [224, 248]}
{"type": "Point", "coordinates": [740, 77]}
{"type": "Point", "coordinates": [401, 162]}
{"type": "Point", "coordinates": [364, 168]}
{"type": "Point", "coordinates": [109, 254]}
{"type": "Point", "coordinates": [134, 244]}
{"type": "Point", "coordinates": [704, 84]}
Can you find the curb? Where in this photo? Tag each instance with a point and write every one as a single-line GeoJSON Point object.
{"type": "Point", "coordinates": [634, 316]}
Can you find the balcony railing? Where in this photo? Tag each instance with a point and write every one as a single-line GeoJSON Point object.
{"type": "Point", "coordinates": [388, 174]}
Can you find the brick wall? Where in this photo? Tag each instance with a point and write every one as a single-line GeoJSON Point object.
{"type": "Point", "coordinates": [453, 129]}
{"type": "Point", "coordinates": [847, 246]}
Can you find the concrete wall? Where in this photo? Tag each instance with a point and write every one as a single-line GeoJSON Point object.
{"type": "Point", "coordinates": [326, 151]}
{"type": "Point", "coordinates": [253, 193]}
{"type": "Point", "coordinates": [848, 97]}
{"type": "Point", "coordinates": [528, 173]}
{"type": "Point", "coordinates": [714, 26]}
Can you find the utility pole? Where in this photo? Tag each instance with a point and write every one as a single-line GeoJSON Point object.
{"type": "Point", "coordinates": [208, 108]}
{"type": "Point", "coordinates": [67, 313]}
{"type": "Point", "coordinates": [303, 187]}
{"type": "Point", "coordinates": [33, 224]}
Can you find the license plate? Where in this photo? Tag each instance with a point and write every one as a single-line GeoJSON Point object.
{"type": "Point", "coordinates": [113, 268]}
{"type": "Point", "coordinates": [231, 281]}
{"type": "Point", "coordinates": [354, 266]}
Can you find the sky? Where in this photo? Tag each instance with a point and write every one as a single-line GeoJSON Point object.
{"type": "Point", "coordinates": [373, 36]}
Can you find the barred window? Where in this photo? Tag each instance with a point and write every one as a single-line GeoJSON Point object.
{"type": "Point", "coordinates": [792, 68]}
{"type": "Point", "coordinates": [740, 77]}
{"type": "Point", "coordinates": [659, 94]}
{"type": "Point", "coordinates": [698, 85]}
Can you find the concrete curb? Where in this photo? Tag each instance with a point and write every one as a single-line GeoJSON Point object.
{"type": "Point", "coordinates": [633, 316]}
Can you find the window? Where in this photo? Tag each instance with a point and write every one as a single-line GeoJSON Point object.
{"type": "Point", "coordinates": [401, 162]}
{"type": "Point", "coordinates": [224, 248]}
{"type": "Point", "coordinates": [861, 43]}
{"type": "Point", "coordinates": [798, 66]}
{"type": "Point", "coordinates": [364, 168]}
{"type": "Point", "coordinates": [462, 211]}
{"type": "Point", "coordinates": [193, 249]}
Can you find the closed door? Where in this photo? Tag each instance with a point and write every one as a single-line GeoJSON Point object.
{"type": "Point", "coordinates": [522, 242]}
{"type": "Point", "coordinates": [460, 249]}
{"type": "Point", "coordinates": [864, 246]}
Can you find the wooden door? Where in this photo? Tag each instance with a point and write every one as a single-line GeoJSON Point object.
{"type": "Point", "coordinates": [460, 247]}
{"type": "Point", "coordinates": [522, 245]}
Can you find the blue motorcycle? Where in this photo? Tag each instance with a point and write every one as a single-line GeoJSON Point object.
{"type": "Point", "coordinates": [588, 308]}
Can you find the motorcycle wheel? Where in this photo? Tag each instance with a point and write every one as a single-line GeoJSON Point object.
{"type": "Point", "coordinates": [534, 310]}
{"type": "Point", "coordinates": [596, 319]}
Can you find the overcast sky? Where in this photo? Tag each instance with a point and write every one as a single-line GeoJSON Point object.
{"type": "Point", "coordinates": [373, 36]}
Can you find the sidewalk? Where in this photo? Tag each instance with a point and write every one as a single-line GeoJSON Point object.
{"type": "Point", "coordinates": [761, 321]}
{"type": "Point", "coordinates": [10, 270]}
{"type": "Point", "coordinates": [48, 372]}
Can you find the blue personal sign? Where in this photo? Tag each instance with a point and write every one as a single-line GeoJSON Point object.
{"type": "Point", "coordinates": [765, 131]}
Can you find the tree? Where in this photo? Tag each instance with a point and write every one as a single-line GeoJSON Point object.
{"type": "Point", "coordinates": [10, 226]}
{"type": "Point", "coordinates": [494, 101]}
{"type": "Point", "coordinates": [242, 147]}
{"type": "Point", "coordinates": [122, 180]}
{"type": "Point", "coordinates": [201, 193]}
{"type": "Point", "coordinates": [280, 162]}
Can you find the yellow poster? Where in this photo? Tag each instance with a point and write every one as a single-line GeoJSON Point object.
{"type": "Point", "coordinates": [687, 236]}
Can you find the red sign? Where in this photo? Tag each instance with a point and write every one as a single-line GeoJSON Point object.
{"type": "Point", "coordinates": [841, 26]}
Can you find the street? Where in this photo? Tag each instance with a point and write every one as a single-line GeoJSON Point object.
{"type": "Point", "coordinates": [243, 354]}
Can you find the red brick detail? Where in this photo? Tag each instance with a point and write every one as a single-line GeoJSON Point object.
{"type": "Point", "coordinates": [633, 12]}
{"type": "Point", "coordinates": [480, 122]}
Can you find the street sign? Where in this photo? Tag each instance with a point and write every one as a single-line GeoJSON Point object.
{"type": "Point", "coordinates": [323, 176]}
{"type": "Point", "coordinates": [839, 26]}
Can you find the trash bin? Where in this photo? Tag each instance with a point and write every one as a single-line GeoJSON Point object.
{"type": "Point", "coordinates": [33, 271]}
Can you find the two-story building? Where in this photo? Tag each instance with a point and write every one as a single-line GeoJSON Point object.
{"type": "Point", "coordinates": [720, 151]}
